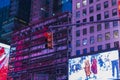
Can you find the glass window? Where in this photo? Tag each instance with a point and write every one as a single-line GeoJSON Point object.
{"type": "Point", "coordinates": [99, 47]}
{"type": "Point", "coordinates": [85, 51]}
{"type": "Point", "coordinates": [115, 34]}
{"type": "Point", "coordinates": [78, 43]}
{"type": "Point", "coordinates": [98, 7]}
{"type": "Point", "coordinates": [78, 14]}
{"type": "Point", "coordinates": [90, 1]}
{"type": "Point", "coordinates": [116, 44]}
{"type": "Point", "coordinates": [78, 33]}
{"type": "Point", "coordinates": [84, 20]}
{"type": "Point", "coordinates": [77, 52]}
{"type": "Point", "coordinates": [107, 36]}
{"type": "Point", "coordinates": [107, 46]}
{"type": "Point", "coordinates": [91, 9]}
{"type": "Point", "coordinates": [92, 40]}
{"type": "Point", "coordinates": [84, 2]}
{"type": "Point", "coordinates": [106, 14]}
{"type": "Point", "coordinates": [115, 23]}
{"type": "Point", "coordinates": [107, 25]}
{"type": "Point", "coordinates": [84, 41]}
{"type": "Point", "coordinates": [91, 29]}
{"type": "Point", "coordinates": [91, 18]}
{"type": "Point", "coordinates": [105, 4]}
{"type": "Point", "coordinates": [99, 27]}
{"type": "Point", "coordinates": [77, 24]}
{"type": "Point", "coordinates": [84, 12]}
{"type": "Point", "coordinates": [98, 16]}
{"type": "Point", "coordinates": [78, 5]}
{"type": "Point", "coordinates": [99, 37]}
{"type": "Point", "coordinates": [114, 12]}
{"type": "Point", "coordinates": [91, 49]}
{"type": "Point", "coordinates": [114, 2]}
{"type": "Point", "coordinates": [84, 31]}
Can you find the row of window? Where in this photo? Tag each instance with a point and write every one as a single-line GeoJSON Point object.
{"type": "Point", "coordinates": [99, 28]}
{"type": "Point", "coordinates": [91, 18]}
{"type": "Point", "coordinates": [99, 47]}
{"type": "Point", "coordinates": [99, 38]}
{"type": "Point", "coordinates": [106, 3]}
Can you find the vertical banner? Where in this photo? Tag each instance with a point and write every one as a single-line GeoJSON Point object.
{"type": "Point", "coordinates": [119, 7]}
{"type": "Point", "coordinates": [4, 58]}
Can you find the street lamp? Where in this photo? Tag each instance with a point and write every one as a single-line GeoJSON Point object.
{"type": "Point", "coordinates": [43, 9]}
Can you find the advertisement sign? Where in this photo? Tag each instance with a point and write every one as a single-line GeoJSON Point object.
{"type": "Point", "coordinates": [4, 57]}
{"type": "Point", "coordinates": [101, 66]}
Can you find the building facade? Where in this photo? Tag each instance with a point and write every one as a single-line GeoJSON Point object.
{"type": "Point", "coordinates": [88, 38]}
{"type": "Point", "coordinates": [4, 13]}
{"type": "Point", "coordinates": [31, 59]}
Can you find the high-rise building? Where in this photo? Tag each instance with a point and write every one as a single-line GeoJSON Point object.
{"type": "Point", "coordinates": [4, 11]}
{"type": "Point", "coordinates": [89, 38]}
{"type": "Point", "coordinates": [4, 16]}
{"type": "Point", "coordinates": [31, 58]}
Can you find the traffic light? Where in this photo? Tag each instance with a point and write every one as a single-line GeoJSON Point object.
{"type": "Point", "coordinates": [49, 40]}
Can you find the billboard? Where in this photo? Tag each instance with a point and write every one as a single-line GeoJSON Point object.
{"type": "Point", "coordinates": [4, 57]}
{"type": "Point", "coordinates": [101, 66]}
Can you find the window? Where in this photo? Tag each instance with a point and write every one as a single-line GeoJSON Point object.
{"type": "Point", "coordinates": [77, 52]}
{"type": "Point", "coordinates": [98, 16]}
{"type": "Point", "coordinates": [91, 29]}
{"type": "Point", "coordinates": [78, 14]}
{"type": "Point", "coordinates": [106, 14]}
{"type": "Point", "coordinates": [85, 51]}
{"type": "Point", "coordinates": [114, 12]}
{"type": "Point", "coordinates": [78, 33]}
{"type": "Point", "coordinates": [99, 37]}
{"type": "Point", "coordinates": [91, 9]}
{"type": "Point", "coordinates": [97, 0]}
{"type": "Point", "coordinates": [115, 23]}
{"type": "Point", "coordinates": [107, 36]}
{"type": "Point", "coordinates": [84, 20]}
{"type": "Point", "coordinates": [107, 46]}
{"type": "Point", "coordinates": [114, 2]}
{"type": "Point", "coordinates": [77, 24]}
{"type": "Point", "coordinates": [115, 34]}
{"type": "Point", "coordinates": [99, 27]}
{"type": "Point", "coordinates": [84, 41]}
{"type": "Point", "coordinates": [84, 12]}
{"type": "Point", "coordinates": [84, 2]}
{"type": "Point", "coordinates": [78, 43]}
{"type": "Point", "coordinates": [98, 7]}
{"type": "Point", "coordinates": [91, 49]}
{"type": "Point", "coordinates": [91, 18]}
{"type": "Point", "coordinates": [116, 44]}
{"type": "Point", "coordinates": [99, 47]}
{"type": "Point", "coordinates": [90, 1]}
{"type": "Point", "coordinates": [105, 4]}
{"type": "Point", "coordinates": [78, 5]}
{"type": "Point", "coordinates": [92, 40]}
{"type": "Point", "coordinates": [107, 26]}
{"type": "Point", "coordinates": [84, 31]}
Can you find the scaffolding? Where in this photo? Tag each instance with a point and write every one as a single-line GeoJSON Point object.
{"type": "Point", "coordinates": [29, 57]}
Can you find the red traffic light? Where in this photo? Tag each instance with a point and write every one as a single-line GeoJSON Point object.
{"type": "Point", "coordinates": [49, 36]}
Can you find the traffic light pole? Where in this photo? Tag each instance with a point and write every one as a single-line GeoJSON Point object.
{"type": "Point", "coordinates": [84, 23]}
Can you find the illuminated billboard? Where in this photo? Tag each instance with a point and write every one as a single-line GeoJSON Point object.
{"type": "Point", "coordinates": [101, 66]}
{"type": "Point", "coordinates": [4, 57]}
